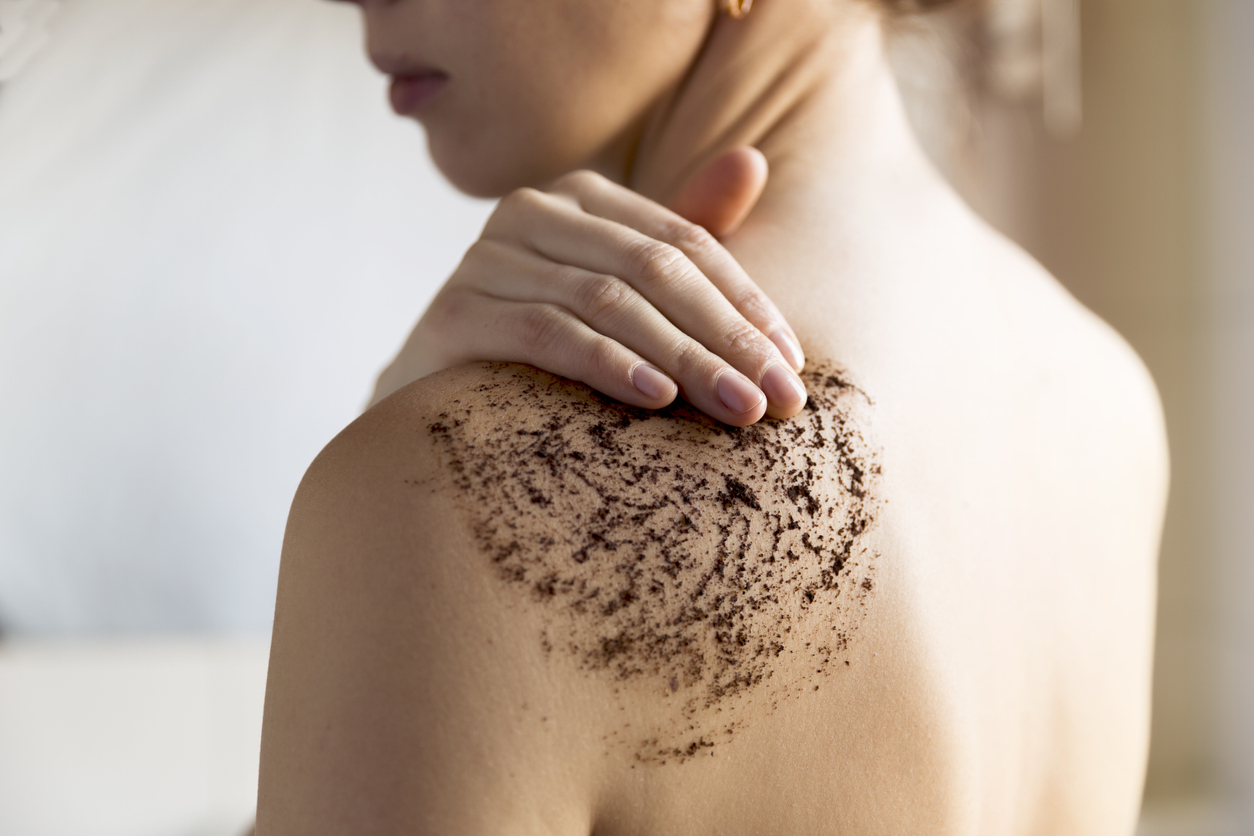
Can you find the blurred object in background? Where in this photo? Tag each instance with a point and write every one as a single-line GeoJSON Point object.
{"type": "Point", "coordinates": [213, 234]}
{"type": "Point", "coordinates": [955, 65]}
{"type": "Point", "coordinates": [1032, 51]}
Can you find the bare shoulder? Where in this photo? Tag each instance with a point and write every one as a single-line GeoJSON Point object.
{"type": "Point", "coordinates": [1087, 377]}
{"type": "Point", "coordinates": [1113, 396]}
{"type": "Point", "coordinates": [498, 555]}
{"type": "Point", "coordinates": [405, 693]}
{"type": "Point", "coordinates": [670, 554]}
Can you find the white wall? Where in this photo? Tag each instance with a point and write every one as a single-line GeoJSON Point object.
{"type": "Point", "coordinates": [213, 233]}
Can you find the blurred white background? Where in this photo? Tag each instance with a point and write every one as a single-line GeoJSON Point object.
{"type": "Point", "coordinates": [213, 234]}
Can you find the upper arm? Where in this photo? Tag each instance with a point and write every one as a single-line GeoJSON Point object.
{"type": "Point", "coordinates": [404, 695]}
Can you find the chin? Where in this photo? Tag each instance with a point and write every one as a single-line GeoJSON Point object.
{"type": "Point", "coordinates": [476, 173]}
{"type": "Point", "coordinates": [489, 171]}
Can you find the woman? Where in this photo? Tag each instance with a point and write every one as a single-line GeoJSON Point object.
{"type": "Point", "coordinates": [922, 604]}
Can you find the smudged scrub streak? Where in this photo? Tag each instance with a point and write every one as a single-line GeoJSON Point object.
{"type": "Point", "coordinates": [710, 563]}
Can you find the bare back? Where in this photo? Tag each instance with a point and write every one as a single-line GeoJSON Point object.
{"type": "Point", "coordinates": [710, 566]}
{"type": "Point", "coordinates": [924, 605]}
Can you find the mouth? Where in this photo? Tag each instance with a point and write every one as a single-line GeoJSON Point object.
{"type": "Point", "coordinates": [409, 93]}
{"type": "Point", "coordinates": [413, 84]}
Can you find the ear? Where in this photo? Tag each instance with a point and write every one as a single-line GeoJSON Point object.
{"type": "Point", "coordinates": [723, 192]}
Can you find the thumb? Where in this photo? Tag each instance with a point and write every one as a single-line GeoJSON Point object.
{"type": "Point", "coordinates": [723, 192]}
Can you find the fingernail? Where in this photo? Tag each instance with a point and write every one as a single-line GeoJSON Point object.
{"type": "Point", "coordinates": [652, 383]}
{"type": "Point", "coordinates": [737, 393]}
{"type": "Point", "coordinates": [782, 386]}
{"type": "Point", "coordinates": [789, 348]}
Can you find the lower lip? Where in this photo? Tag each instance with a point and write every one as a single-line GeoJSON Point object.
{"type": "Point", "coordinates": [410, 93]}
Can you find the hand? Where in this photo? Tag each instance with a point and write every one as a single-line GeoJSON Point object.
{"type": "Point", "coordinates": [593, 282]}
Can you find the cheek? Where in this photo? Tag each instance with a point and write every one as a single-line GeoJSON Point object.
{"type": "Point", "coordinates": [504, 130]}
{"type": "Point", "coordinates": [547, 95]}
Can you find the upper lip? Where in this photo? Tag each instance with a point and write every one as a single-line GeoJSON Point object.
{"type": "Point", "coordinates": [401, 67]}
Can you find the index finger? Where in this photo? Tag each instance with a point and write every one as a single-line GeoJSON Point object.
{"type": "Point", "coordinates": [601, 197]}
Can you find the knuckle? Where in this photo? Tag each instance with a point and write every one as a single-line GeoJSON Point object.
{"type": "Point", "coordinates": [541, 329]}
{"type": "Point", "coordinates": [691, 238]}
{"type": "Point", "coordinates": [521, 200]}
{"type": "Point", "coordinates": [753, 302]}
{"type": "Point", "coordinates": [740, 339]}
{"type": "Point", "coordinates": [601, 297]}
{"type": "Point", "coordinates": [576, 182]}
{"type": "Point", "coordinates": [658, 262]}
{"type": "Point", "coordinates": [688, 359]}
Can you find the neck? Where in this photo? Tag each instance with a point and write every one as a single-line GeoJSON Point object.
{"type": "Point", "coordinates": [806, 82]}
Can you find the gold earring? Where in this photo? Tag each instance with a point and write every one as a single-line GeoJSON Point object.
{"type": "Point", "coordinates": [735, 8]}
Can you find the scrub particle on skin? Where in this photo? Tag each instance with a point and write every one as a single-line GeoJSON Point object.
{"type": "Point", "coordinates": [713, 564]}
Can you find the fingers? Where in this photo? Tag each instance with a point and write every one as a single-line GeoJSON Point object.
{"type": "Point", "coordinates": [722, 193]}
{"type": "Point", "coordinates": [553, 338]}
{"type": "Point", "coordinates": [737, 177]}
{"type": "Point", "coordinates": [607, 306]}
{"type": "Point", "coordinates": [705, 324]}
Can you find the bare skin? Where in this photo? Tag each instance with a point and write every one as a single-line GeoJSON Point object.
{"type": "Point", "coordinates": [592, 281]}
{"type": "Point", "coordinates": [999, 666]}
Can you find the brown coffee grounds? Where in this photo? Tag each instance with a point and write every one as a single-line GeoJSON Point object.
{"type": "Point", "coordinates": [671, 549]}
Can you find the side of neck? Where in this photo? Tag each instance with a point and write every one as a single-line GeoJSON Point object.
{"type": "Point", "coordinates": [806, 82]}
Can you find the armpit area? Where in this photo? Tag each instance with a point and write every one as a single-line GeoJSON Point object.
{"type": "Point", "coordinates": [711, 563]}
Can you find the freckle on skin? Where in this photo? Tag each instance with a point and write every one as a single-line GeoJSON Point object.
{"type": "Point", "coordinates": [664, 546]}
